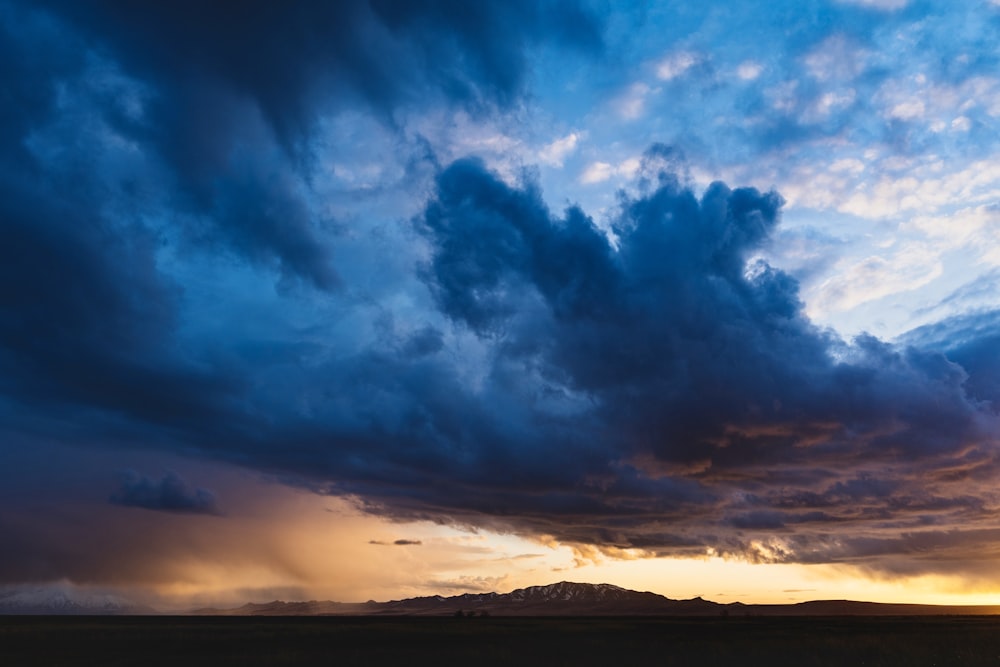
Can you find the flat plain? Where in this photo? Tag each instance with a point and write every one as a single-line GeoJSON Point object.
{"type": "Point", "coordinates": [184, 640]}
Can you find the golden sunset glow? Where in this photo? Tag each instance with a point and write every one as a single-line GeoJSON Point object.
{"type": "Point", "coordinates": [295, 545]}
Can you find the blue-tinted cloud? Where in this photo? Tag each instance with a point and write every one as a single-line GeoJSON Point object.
{"type": "Point", "coordinates": [631, 371]}
{"type": "Point", "coordinates": [972, 341]}
{"type": "Point", "coordinates": [170, 494]}
{"type": "Point", "coordinates": [691, 354]}
{"type": "Point", "coordinates": [232, 95]}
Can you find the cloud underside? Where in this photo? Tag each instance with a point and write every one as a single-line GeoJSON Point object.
{"type": "Point", "coordinates": [662, 392]}
{"type": "Point", "coordinates": [170, 494]}
{"type": "Point", "coordinates": [669, 395]}
{"type": "Point", "coordinates": [654, 387]}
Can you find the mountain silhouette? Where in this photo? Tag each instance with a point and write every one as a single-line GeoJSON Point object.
{"type": "Point", "coordinates": [579, 599]}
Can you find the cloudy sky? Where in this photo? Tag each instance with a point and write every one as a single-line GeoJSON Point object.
{"type": "Point", "coordinates": [381, 298]}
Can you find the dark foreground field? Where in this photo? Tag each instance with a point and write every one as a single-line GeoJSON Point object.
{"type": "Point", "coordinates": [475, 642]}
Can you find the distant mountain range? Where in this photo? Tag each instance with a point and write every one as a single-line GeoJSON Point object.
{"type": "Point", "coordinates": [66, 602]}
{"type": "Point", "coordinates": [562, 599]}
{"type": "Point", "coordinates": [575, 599]}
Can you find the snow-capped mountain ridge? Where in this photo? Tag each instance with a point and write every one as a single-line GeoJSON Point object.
{"type": "Point", "coordinates": [567, 590]}
{"type": "Point", "coordinates": [568, 598]}
{"type": "Point", "coordinates": [64, 601]}
{"type": "Point", "coordinates": [559, 595]}
{"type": "Point", "coordinates": [560, 599]}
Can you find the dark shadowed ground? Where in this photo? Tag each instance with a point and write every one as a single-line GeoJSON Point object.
{"type": "Point", "coordinates": [910, 641]}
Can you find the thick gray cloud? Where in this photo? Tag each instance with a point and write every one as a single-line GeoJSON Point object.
{"type": "Point", "coordinates": [129, 129]}
{"type": "Point", "coordinates": [169, 494]}
{"type": "Point", "coordinates": [656, 387]}
{"type": "Point", "coordinates": [698, 367]}
{"type": "Point", "coordinates": [973, 341]}
{"type": "Point", "coordinates": [231, 93]}
{"type": "Point", "coordinates": [662, 391]}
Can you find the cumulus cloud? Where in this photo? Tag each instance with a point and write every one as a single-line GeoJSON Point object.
{"type": "Point", "coordinates": [676, 65]}
{"type": "Point", "coordinates": [598, 172]}
{"type": "Point", "coordinates": [961, 124]}
{"type": "Point", "coordinates": [970, 339]}
{"type": "Point", "coordinates": [836, 59]}
{"type": "Point", "coordinates": [632, 103]}
{"type": "Point", "coordinates": [556, 152]}
{"type": "Point", "coordinates": [749, 70]}
{"type": "Point", "coordinates": [706, 376]}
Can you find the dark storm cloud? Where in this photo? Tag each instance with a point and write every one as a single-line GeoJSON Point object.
{"type": "Point", "coordinates": [658, 388]}
{"type": "Point", "coordinates": [397, 543]}
{"type": "Point", "coordinates": [973, 341]}
{"type": "Point", "coordinates": [288, 58]}
{"type": "Point", "coordinates": [235, 91]}
{"type": "Point", "coordinates": [663, 391]}
{"type": "Point", "coordinates": [698, 367]}
{"type": "Point", "coordinates": [202, 94]}
{"type": "Point", "coordinates": [87, 315]}
{"type": "Point", "coordinates": [169, 494]}
{"type": "Point", "coordinates": [673, 331]}
{"type": "Point", "coordinates": [27, 99]}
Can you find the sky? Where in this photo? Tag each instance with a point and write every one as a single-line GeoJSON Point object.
{"type": "Point", "coordinates": [379, 298]}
